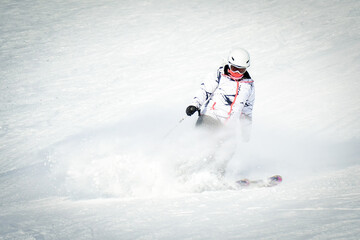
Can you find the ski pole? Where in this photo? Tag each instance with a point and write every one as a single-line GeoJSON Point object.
{"type": "Point", "coordinates": [181, 120]}
{"type": "Point", "coordinates": [172, 129]}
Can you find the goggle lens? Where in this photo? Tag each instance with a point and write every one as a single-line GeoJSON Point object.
{"type": "Point", "coordinates": [237, 69]}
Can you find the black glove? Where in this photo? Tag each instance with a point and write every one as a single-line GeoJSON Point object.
{"type": "Point", "coordinates": [190, 110]}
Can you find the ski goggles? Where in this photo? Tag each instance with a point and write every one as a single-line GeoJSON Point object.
{"type": "Point", "coordinates": [238, 69]}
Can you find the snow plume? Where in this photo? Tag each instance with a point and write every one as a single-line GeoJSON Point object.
{"type": "Point", "coordinates": [134, 159]}
{"type": "Point", "coordinates": [118, 160]}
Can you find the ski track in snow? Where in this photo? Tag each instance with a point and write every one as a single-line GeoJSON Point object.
{"type": "Point", "coordinates": [89, 89]}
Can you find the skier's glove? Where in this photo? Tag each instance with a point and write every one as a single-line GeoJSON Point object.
{"type": "Point", "coordinates": [190, 110]}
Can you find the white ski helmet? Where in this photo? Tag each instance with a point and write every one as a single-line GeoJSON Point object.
{"type": "Point", "coordinates": [239, 57]}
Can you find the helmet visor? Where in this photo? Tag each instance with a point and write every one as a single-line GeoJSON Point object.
{"type": "Point", "coordinates": [238, 69]}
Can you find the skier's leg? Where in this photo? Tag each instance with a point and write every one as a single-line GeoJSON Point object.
{"type": "Point", "coordinates": [220, 144]}
{"type": "Point", "coordinates": [245, 125]}
{"type": "Point", "coordinates": [208, 123]}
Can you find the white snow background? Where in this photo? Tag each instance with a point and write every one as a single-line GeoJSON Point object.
{"type": "Point", "coordinates": [89, 89]}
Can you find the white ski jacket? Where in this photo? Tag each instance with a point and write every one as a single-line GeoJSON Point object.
{"type": "Point", "coordinates": [223, 98]}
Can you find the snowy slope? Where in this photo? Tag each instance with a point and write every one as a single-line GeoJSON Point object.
{"type": "Point", "coordinates": [326, 209]}
{"type": "Point", "coordinates": [88, 89]}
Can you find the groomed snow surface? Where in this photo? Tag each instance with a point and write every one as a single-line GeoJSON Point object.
{"type": "Point", "coordinates": [89, 90]}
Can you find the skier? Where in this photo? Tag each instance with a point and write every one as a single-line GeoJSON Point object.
{"type": "Point", "coordinates": [228, 96]}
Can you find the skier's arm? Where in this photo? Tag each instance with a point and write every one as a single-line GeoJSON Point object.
{"type": "Point", "coordinates": [206, 90]}
{"type": "Point", "coordinates": [249, 104]}
{"type": "Point", "coordinates": [246, 114]}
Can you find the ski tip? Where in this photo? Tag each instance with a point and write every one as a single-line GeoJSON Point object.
{"type": "Point", "coordinates": [243, 182]}
{"type": "Point", "coordinates": [276, 178]}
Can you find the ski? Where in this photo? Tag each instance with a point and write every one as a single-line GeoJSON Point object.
{"type": "Point", "coordinates": [269, 182]}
